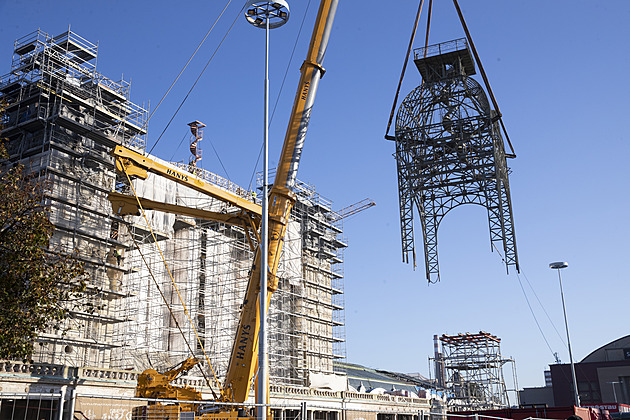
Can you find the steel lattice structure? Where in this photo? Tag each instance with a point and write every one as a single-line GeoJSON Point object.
{"type": "Point", "coordinates": [474, 371]}
{"type": "Point", "coordinates": [449, 152]}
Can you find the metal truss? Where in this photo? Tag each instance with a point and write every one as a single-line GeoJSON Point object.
{"type": "Point", "coordinates": [474, 371]}
{"type": "Point", "coordinates": [449, 152]}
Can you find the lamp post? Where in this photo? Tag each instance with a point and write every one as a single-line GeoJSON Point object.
{"type": "Point", "coordinates": [614, 391]}
{"type": "Point", "coordinates": [267, 15]}
{"type": "Point", "coordinates": [559, 266]}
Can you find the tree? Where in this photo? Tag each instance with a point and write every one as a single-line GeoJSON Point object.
{"type": "Point", "coordinates": [38, 288]}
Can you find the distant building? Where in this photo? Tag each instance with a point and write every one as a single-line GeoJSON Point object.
{"type": "Point", "coordinates": [541, 396]}
{"type": "Point", "coordinates": [372, 381]}
{"type": "Point", "coordinates": [548, 381]}
{"type": "Point", "coordinates": [603, 378]}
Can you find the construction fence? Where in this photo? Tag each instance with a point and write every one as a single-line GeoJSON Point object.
{"type": "Point", "coordinates": [59, 406]}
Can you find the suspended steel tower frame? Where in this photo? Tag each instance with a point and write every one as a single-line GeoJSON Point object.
{"type": "Point", "coordinates": [449, 152]}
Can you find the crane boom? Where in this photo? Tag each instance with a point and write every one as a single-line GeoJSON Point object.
{"type": "Point", "coordinates": [124, 205]}
{"type": "Point", "coordinates": [137, 165]}
{"type": "Point", "coordinates": [312, 72]}
{"type": "Point", "coordinates": [244, 356]}
{"type": "Point", "coordinates": [355, 208]}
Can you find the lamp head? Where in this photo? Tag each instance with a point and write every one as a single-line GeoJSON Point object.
{"type": "Point", "coordinates": [558, 265]}
{"type": "Point", "coordinates": [258, 12]}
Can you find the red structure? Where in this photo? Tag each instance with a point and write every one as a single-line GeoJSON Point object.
{"type": "Point", "coordinates": [560, 413]}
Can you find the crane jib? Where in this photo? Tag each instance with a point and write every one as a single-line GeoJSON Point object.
{"type": "Point", "coordinates": [312, 71]}
{"type": "Point", "coordinates": [302, 128]}
{"type": "Point", "coordinates": [244, 357]}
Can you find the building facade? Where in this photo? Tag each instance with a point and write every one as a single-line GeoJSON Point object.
{"type": "Point", "coordinates": [62, 121]}
{"type": "Point", "coordinates": [159, 279]}
{"type": "Point", "coordinates": [603, 377]}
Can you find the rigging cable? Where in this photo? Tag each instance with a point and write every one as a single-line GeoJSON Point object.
{"type": "Point", "coordinates": [179, 145]}
{"type": "Point", "coordinates": [483, 75]}
{"type": "Point", "coordinates": [520, 283]}
{"type": "Point", "coordinates": [167, 306]}
{"type": "Point", "coordinates": [402, 73]}
{"type": "Point", "coordinates": [144, 126]}
{"type": "Point", "coordinates": [197, 80]}
{"type": "Point", "coordinates": [211, 145]}
{"type": "Point", "coordinates": [219, 158]}
{"type": "Point", "coordinates": [546, 313]}
{"type": "Point", "coordinates": [176, 289]}
{"type": "Point", "coordinates": [426, 38]}
{"type": "Point", "coordinates": [554, 354]}
{"type": "Point", "coordinates": [531, 310]}
{"type": "Point", "coordinates": [286, 71]}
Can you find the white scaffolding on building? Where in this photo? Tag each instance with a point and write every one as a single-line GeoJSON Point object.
{"type": "Point", "coordinates": [210, 263]}
{"type": "Point", "coordinates": [62, 121]}
{"type": "Point", "coordinates": [473, 369]}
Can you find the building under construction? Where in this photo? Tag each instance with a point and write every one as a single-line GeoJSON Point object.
{"type": "Point", "coordinates": [470, 368]}
{"type": "Point", "coordinates": [62, 121]}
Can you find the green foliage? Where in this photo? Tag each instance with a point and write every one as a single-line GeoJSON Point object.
{"type": "Point", "coordinates": [38, 288]}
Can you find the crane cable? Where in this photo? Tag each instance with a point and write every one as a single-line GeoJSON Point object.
{"type": "Point", "coordinates": [198, 78]}
{"type": "Point", "coordinates": [176, 289]}
{"type": "Point", "coordinates": [144, 126]}
{"type": "Point", "coordinates": [483, 75]}
{"type": "Point", "coordinates": [167, 305]}
{"type": "Point", "coordinates": [404, 68]}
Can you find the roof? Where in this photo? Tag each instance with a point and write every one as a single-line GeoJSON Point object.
{"type": "Point", "coordinates": [615, 350]}
{"type": "Point", "coordinates": [370, 379]}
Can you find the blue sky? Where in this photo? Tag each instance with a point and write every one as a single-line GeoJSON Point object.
{"type": "Point", "coordinates": [558, 71]}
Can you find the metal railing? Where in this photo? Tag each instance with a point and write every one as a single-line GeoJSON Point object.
{"type": "Point", "coordinates": [310, 405]}
{"type": "Point", "coordinates": [438, 49]}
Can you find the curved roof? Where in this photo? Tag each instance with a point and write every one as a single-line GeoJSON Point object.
{"type": "Point", "coordinates": [610, 352]}
{"type": "Point", "coordinates": [371, 379]}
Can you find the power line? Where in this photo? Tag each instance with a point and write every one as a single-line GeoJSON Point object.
{"type": "Point", "coordinates": [197, 80]}
{"type": "Point", "coordinates": [184, 68]}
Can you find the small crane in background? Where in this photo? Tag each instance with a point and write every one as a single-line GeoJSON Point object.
{"type": "Point", "coordinates": [355, 208]}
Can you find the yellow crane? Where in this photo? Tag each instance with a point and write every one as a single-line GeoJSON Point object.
{"type": "Point", "coordinates": [244, 355]}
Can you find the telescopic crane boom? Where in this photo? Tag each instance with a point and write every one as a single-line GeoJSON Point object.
{"type": "Point", "coordinates": [244, 356]}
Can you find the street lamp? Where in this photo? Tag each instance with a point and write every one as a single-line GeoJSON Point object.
{"type": "Point", "coordinates": [266, 15]}
{"type": "Point", "coordinates": [614, 391]}
{"type": "Point", "coordinates": [559, 266]}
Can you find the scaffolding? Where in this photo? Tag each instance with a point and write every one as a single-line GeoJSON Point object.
{"type": "Point", "coordinates": [320, 306]}
{"type": "Point", "coordinates": [62, 119]}
{"type": "Point", "coordinates": [472, 366]}
{"type": "Point", "coordinates": [449, 152]}
{"type": "Point", "coordinates": [210, 265]}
